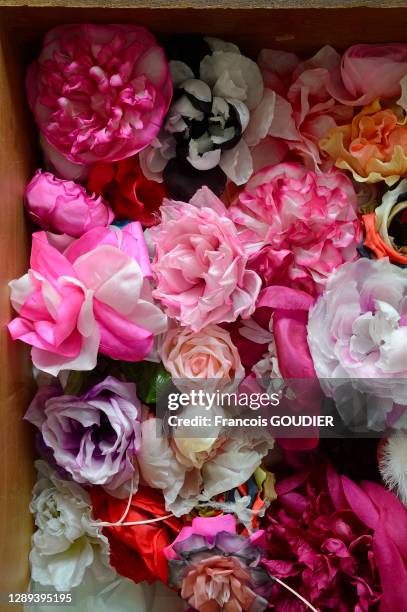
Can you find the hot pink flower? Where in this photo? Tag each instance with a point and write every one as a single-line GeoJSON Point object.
{"type": "Point", "coordinates": [63, 206]}
{"type": "Point", "coordinates": [99, 92]}
{"type": "Point", "coordinates": [340, 544]}
{"type": "Point", "coordinates": [367, 72]}
{"type": "Point", "coordinates": [200, 263]}
{"type": "Point", "coordinates": [307, 220]}
{"type": "Point", "coordinates": [81, 296]}
{"type": "Point", "coordinates": [304, 110]}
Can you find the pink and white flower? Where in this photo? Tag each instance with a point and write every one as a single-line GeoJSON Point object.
{"type": "Point", "coordinates": [86, 295]}
{"type": "Point", "coordinates": [306, 222]}
{"type": "Point", "coordinates": [200, 263]}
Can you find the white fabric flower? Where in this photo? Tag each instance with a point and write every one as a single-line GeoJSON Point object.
{"type": "Point", "coordinates": [66, 544]}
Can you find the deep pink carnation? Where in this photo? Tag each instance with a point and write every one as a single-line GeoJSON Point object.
{"type": "Point", "coordinates": [63, 206]}
{"type": "Point", "coordinates": [99, 92]}
{"type": "Point", "coordinates": [340, 544]}
{"type": "Point", "coordinates": [307, 223]}
{"type": "Point", "coordinates": [200, 263]}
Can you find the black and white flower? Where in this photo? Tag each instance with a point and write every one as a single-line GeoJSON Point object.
{"type": "Point", "coordinates": [220, 109]}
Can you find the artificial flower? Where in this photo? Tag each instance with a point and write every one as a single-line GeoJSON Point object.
{"type": "Point", "coordinates": [393, 464]}
{"type": "Point", "coordinates": [66, 543]}
{"type": "Point", "coordinates": [200, 263]}
{"type": "Point", "coordinates": [373, 147]}
{"type": "Point", "coordinates": [63, 206]}
{"type": "Point", "coordinates": [188, 468]}
{"type": "Point", "coordinates": [304, 109]}
{"type": "Point", "coordinates": [86, 295]}
{"type": "Point", "coordinates": [94, 437]}
{"type": "Point", "coordinates": [99, 92]}
{"type": "Point", "coordinates": [339, 544]}
{"type": "Point", "coordinates": [216, 569]}
{"type": "Point", "coordinates": [386, 227]}
{"type": "Point", "coordinates": [367, 72]}
{"type": "Point", "coordinates": [130, 194]}
{"type": "Point", "coordinates": [219, 109]}
{"type": "Point", "coordinates": [358, 329]}
{"type": "Point", "coordinates": [306, 222]}
{"type": "Point", "coordinates": [207, 356]}
{"type": "Point", "coordinates": [137, 552]}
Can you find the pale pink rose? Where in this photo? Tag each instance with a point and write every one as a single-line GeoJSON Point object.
{"type": "Point", "coordinates": [367, 72]}
{"type": "Point", "coordinates": [86, 295]}
{"type": "Point", "coordinates": [63, 206]}
{"type": "Point", "coordinates": [306, 224]}
{"type": "Point", "coordinates": [99, 92]}
{"type": "Point", "coordinates": [200, 263]}
{"type": "Point", "coordinates": [205, 355]}
{"type": "Point", "coordinates": [304, 110]}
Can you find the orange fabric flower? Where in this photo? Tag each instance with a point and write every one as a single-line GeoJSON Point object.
{"type": "Point", "coordinates": [373, 147]}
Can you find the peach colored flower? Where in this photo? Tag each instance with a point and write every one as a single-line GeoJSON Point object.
{"type": "Point", "coordinates": [373, 147]}
{"type": "Point", "coordinates": [208, 354]}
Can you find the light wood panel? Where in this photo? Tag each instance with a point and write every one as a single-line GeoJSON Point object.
{"type": "Point", "coordinates": [16, 470]}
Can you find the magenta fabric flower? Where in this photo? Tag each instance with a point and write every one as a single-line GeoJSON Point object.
{"type": "Point", "coordinates": [304, 109]}
{"type": "Point", "coordinates": [99, 92]}
{"type": "Point", "coordinates": [340, 544]}
{"type": "Point", "coordinates": [216, 569]}
{"type": "Point", "coordinates": [358, 329]}
{"type": "Point", "coordinates": [86, 295]}
{"type": "Point", "coordinates": [95, 436]}
{"type": "Point", "coordinates": [307, 221]}
{"type": "Point", "coordinates": [367, 72]}
{"type": "Point", "coordinates": [200, 263]}
{"type": "Point", "coordinates": [63, 206]}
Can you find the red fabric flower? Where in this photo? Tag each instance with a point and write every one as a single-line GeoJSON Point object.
{"type": "Point", "coordinates": [129, 193]}
{"type": "Point", "coordinates": [342, 545]}
{"type": "Point", "coordinates": [137, 552]}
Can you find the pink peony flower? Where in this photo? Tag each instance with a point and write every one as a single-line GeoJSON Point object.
{"type": "Point", "coordinates": [216, 569]}
{"type": "Point", "coordinates": [86, 295]}
{"type": "Point", "coordinates": [208, 355]}
{"type": "Point", "coordinates": [367, 72]}
{"type": "Point", "coordinates": [200, 263]}
{"type": "Point", "coordinates": [304, 110]}
{"type": "Point", "coordinates": [99, 92]}
{"type": "Point", "coordinates": [340, 544]}
{"type": "Point", "coordinates": [307, 221]}
{"type": "Point", "coordinates": [63, 206]}
{"type": "Point", "coordinates": [358, 329]}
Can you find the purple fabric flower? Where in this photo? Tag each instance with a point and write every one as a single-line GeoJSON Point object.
{"type": "Point", "coordinates": [95, 436]}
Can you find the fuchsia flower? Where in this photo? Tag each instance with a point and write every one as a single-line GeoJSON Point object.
{"type": "Point", "coordinates": [99, 92]}
{"type": "Point", "coordinates": [367, 72]}
{"type": "Point", "coordinates": [63, 206]}
{"type": "Point", "coordinates": [304, 109]}
{"type": "Point", "coordinates": [218, 570]}
{"type": "Point", "coordinates": [86, 295]}
{"type": "Point", "coordinates": [200, 263]}
{"type": "Point", "coordinates": [307, 223]}
{"type": "Point", "coordinates": [340, 544]}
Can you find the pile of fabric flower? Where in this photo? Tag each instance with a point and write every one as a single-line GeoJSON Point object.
{"type": "Point", "coordinates": [204, 217]}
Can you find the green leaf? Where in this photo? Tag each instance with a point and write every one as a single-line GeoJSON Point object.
{"type": "Point", "coordinates": [150, 378]}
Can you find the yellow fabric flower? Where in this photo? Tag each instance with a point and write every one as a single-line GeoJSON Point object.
{"type": "Point", "coordinates": [373, 147]}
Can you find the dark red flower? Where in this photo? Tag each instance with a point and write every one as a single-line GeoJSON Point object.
{"type": "Point", "coordinates": [129, 193]}
{"type": "Point", "coordinates": [340, 544]}
{"type": "Point", "coordinates": [137, 551]}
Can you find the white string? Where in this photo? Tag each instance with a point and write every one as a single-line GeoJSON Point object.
{"type": "Point", "coordinates": [121, 523]}
{"type": "Point", "coordinates": [307, 603]}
